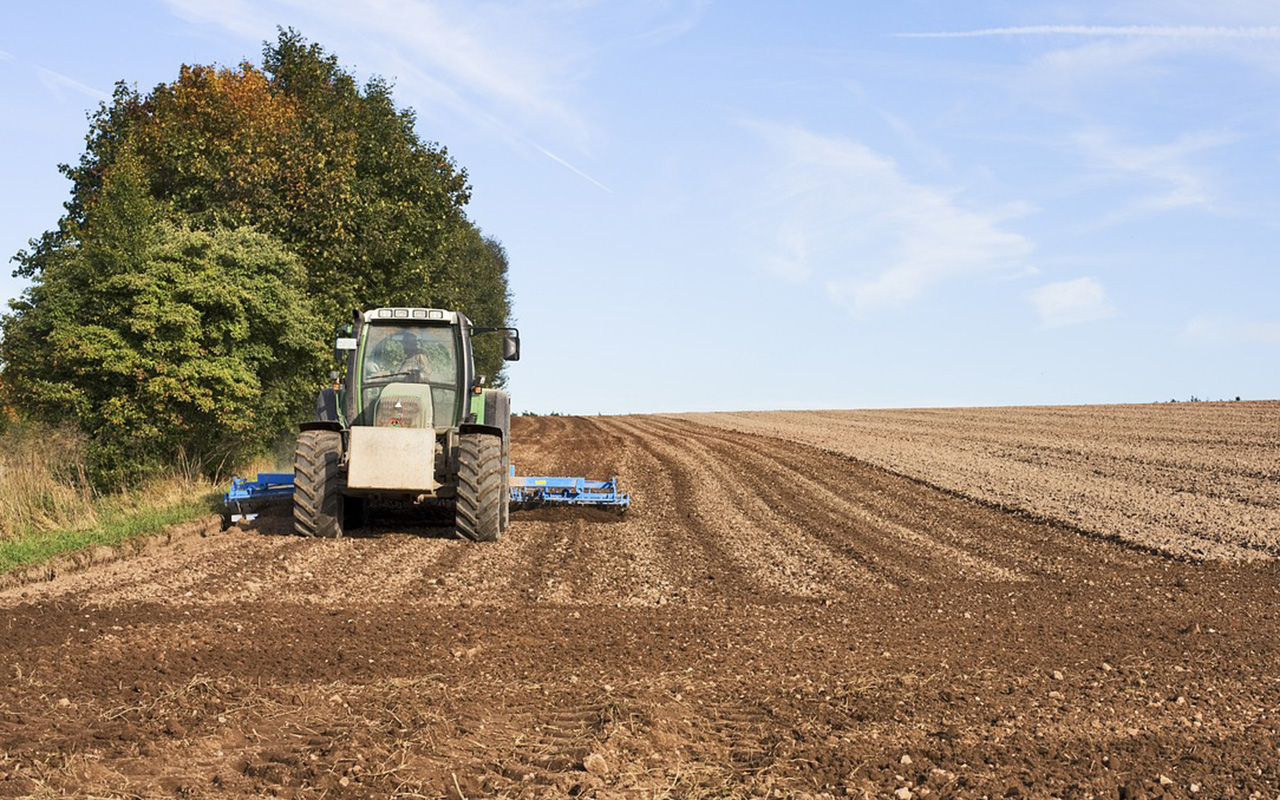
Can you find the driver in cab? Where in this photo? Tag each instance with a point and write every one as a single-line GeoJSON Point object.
{"type": "Point", "coordinates": [415, 361]}
{"type": "Point", "coordinates": [413, 365]}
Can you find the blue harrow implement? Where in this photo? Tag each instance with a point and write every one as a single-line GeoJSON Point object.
{"type": "Point", "coordinates": [246, 498]}
{"type": "Point", "coordinates": [534, 492]}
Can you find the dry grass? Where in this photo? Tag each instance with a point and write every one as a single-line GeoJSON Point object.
{"type": "Point", "coordinates": [42, 482]}
{"type": "Point", "coordinates": [44, 487]}
{"type": "Point", "coordinates": [48, 507]}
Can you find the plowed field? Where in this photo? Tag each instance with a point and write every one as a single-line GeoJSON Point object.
{"type": "Point", "coordinates": [1198, 480]}
{"type": "Point", "coordinates": [769, 619]}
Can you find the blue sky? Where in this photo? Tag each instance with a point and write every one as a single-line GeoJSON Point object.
{"type": "Point", "coordinates": [755, 205]}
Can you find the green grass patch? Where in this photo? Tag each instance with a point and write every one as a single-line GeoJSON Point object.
{"type": "Point", "coordinates": [35, 547]}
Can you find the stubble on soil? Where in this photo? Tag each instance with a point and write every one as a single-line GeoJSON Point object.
{"type": "Point", "coordinates": [769, 619]}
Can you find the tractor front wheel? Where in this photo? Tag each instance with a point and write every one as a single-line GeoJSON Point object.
{"type": "Point", "coordinates": [478, 508]}
{"type": "Point", "coordinates": [317, 484]}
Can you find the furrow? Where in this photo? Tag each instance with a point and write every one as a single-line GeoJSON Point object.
{"type": "Point", "coordinates": [763, 544]}
{"type": "Point", "coordinates": [780, 486]}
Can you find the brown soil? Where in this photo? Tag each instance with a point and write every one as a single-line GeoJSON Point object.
{"type": "Point", "coordinates": [1198, 480]}
{"type": "Point", "coordinates": [769, 619]}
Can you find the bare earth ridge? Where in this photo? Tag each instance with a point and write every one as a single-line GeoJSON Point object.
{"type": "Point", "coordinates": [771, 619]}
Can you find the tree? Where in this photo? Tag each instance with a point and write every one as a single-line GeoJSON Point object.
{"type": "Point", "coordinates": [154, 337]}
{"type": "Point", "coordinates": [298, 151]}
{"type": "Point", "coordinates": [289, 183]}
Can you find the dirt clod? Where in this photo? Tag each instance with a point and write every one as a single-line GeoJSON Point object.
{"type": "Point", "coordinates": [596, 764]}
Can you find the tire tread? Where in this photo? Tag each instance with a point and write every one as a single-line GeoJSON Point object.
{"type": "Point", "coordinates": [478, 508]}
{"type": "Point", "coordinates": [317, 501]}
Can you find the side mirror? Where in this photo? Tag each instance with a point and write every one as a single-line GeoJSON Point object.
{"type": "Point", "coordinates": [510, 347]}
{"type": "Point", "coordinates": [345, 343]}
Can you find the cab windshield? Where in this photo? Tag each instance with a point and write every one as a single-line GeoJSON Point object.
{"type": "Point", "coordinates": [420, 354]}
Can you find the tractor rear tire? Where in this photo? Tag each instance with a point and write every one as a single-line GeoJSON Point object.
{"type": "Point", "coordinates": [317, 484]}
{"type": "Point", "coordinates": [478, 507]}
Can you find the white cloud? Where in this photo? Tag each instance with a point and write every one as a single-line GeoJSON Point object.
{"type": "Point", "coordinates": [1217, 330]}
{"type": "Point", "coordinates": [836, 209]}
{"type": "Point", "coordinates": [237, 16]}
{"type": "Point", "coordinates": [573, 169]}
{"type": "Point", "coordinates": [683, 16]}
{"type": "Point", "coordinates": [56, 82]}
{"type": "Point", "coordinates": [1071, 303]}
{"type": "Point", "coordinates": [1072, 66]}
{"type": "Point", "coordinates": [788, 259]}
{"type": "Point", "coordinates": [1220, 13]}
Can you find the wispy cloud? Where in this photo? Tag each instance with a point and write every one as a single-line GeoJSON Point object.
{"type": "Point", "coordinates": [239, 17]}
{"type": "Point", "coordinates": [1077, 63]}
{"type": "Point", "coordinates": [1113, 81]}
{"type": "Point", "coordinates": [1071, 303]}
{"type": "Point", "coordinates": [1219, 330]}
{"type": "Point", "coordinates": [836, 209]}
{"type": "Point", "coordinates": [675, 19]}
{"type": "Point", "coordinates": [513, 69]}
{"type": "Point", "coordinates": [1169, 167]}
{"type": "Point", "coordinates": [56, 82]}
{"type": "Point", "coordinates": [1095, 31]}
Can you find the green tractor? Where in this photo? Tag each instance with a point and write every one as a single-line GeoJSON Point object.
{"type": "Point", "coordinates": [412, 423]}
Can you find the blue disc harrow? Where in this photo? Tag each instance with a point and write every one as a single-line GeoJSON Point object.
{"type": "Point", "coordinates": [246, 498]}
{"type": "Point", "coordinates": [531, 492]}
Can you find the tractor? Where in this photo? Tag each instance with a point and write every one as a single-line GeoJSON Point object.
{"type": "Point", "coordinates": [410, 422]}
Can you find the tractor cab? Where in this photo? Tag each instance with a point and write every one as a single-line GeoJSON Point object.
{"type": "Point", "coordinates": [408, 367]}
{"type": "Point", "coordinates": [409, 375]}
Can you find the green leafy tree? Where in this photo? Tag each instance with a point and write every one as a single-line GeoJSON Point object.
{"type": "Point", "coordinates": [156, 338]}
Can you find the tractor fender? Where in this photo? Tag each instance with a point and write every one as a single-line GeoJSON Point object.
{"type": "Point", "coordinates": [321, 425]}
{"type": "Point", "coordinates": [491, 407]}
{"type": "Point", "coordinates": [492, 430]}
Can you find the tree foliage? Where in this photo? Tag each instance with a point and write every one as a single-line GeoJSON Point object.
{"type": "Point", "coordinates": [219, 228]}
{"type": "Point", "coordinates": [156, 338]}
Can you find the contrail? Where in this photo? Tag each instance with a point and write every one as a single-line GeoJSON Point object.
{"type": "Point", "coordinates": [571, 167]}
{"type": "Point", "coordinates": [49, 77]}
{"type": "Point", "coordinates": [1153, 31]}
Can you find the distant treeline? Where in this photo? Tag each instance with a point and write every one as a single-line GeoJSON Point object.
{"type": "Point", "coordinates": [220, 228]}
